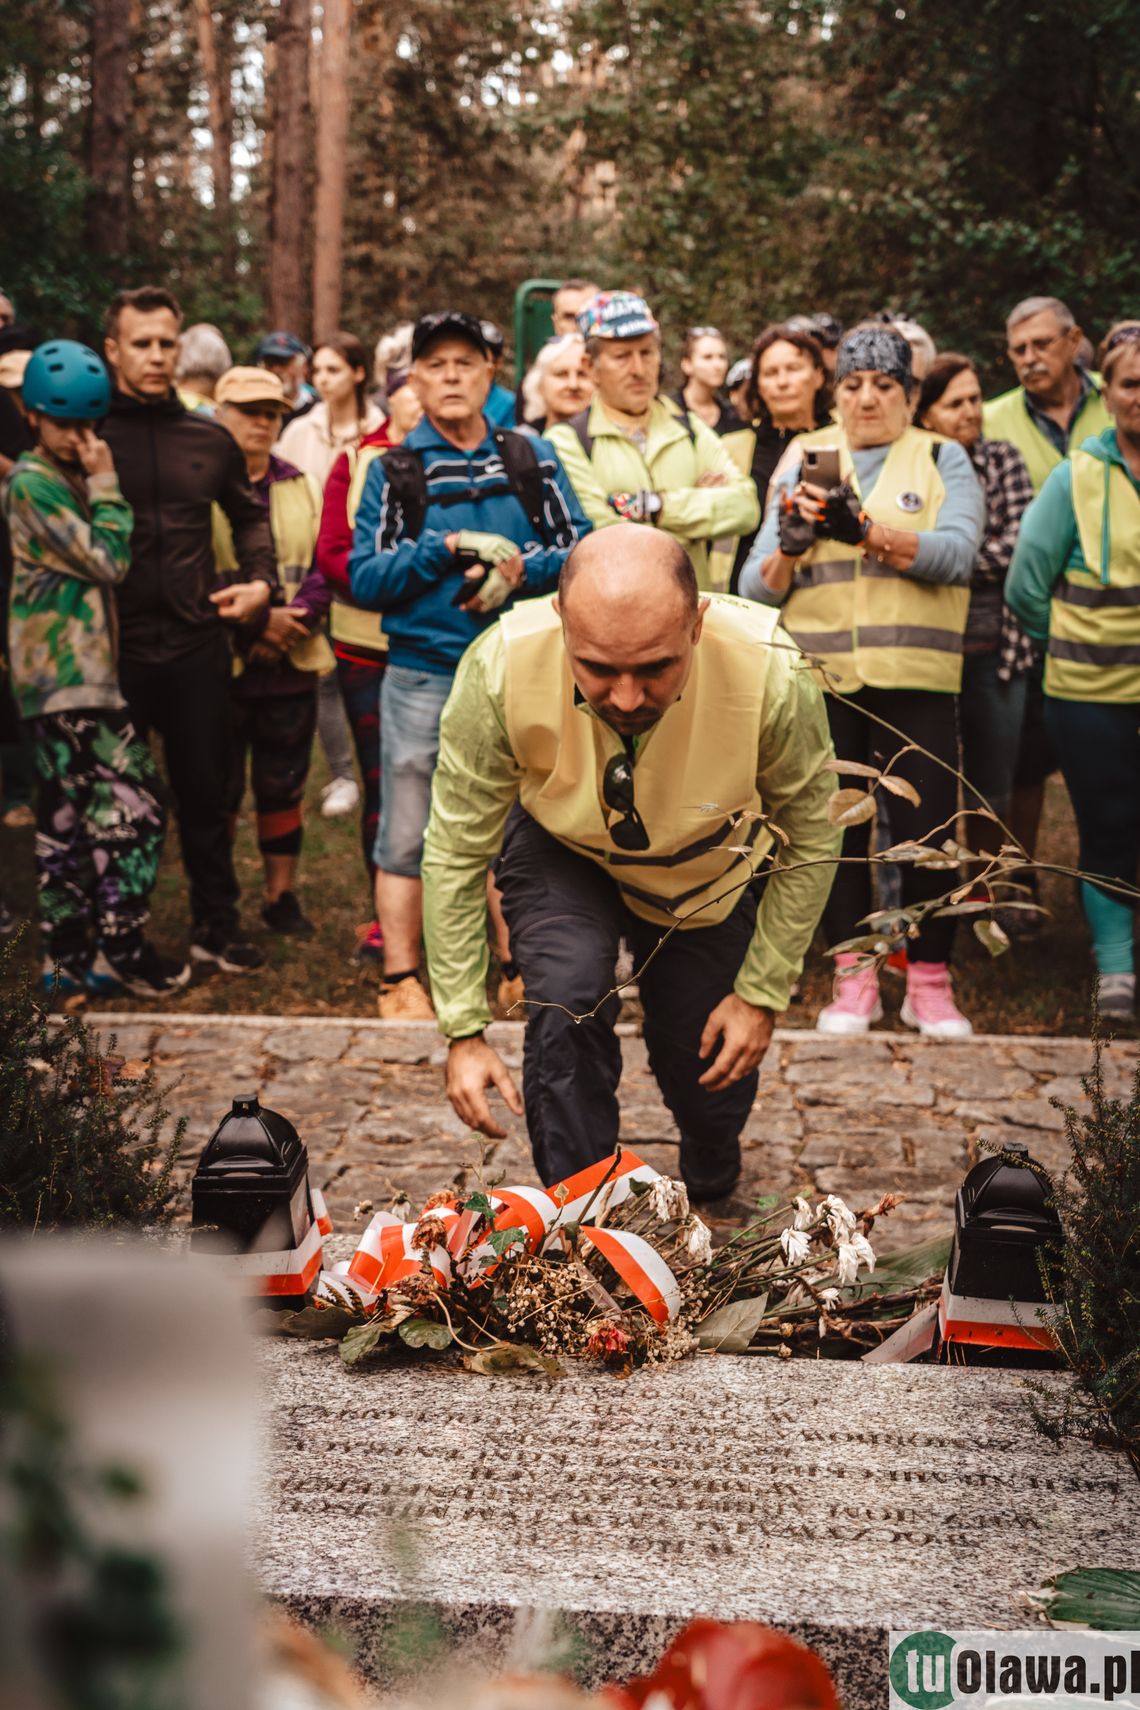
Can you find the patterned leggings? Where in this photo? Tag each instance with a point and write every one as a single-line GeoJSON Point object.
{"type": "Point", "coordinates": [274, 733]}
{"type": "Point", "coordinates": [99, 831]}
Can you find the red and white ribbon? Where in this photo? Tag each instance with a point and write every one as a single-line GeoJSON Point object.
{"type": "Point", "coordinates": [385, 1255]}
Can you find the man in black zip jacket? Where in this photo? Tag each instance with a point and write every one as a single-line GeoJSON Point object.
{"type": "Point", "coordinates": [174, 656]}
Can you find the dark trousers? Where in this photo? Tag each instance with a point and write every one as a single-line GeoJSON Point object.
{"type": "Point", "coordinates": [566, 919]}
{"type": "Point", "coordinates": [187, 701]}
{"type": "Point", "coordinates": [273, 736]}
{"type": "Point", "coordinates": [1098, 745]}
{"type": "Point", "coordinates": [932, 720]}
{"type": "Point", "coordinates": [360, 686]}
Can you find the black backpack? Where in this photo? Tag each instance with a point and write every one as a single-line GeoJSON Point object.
{"type": "Point", "coordinates": [407, 481]}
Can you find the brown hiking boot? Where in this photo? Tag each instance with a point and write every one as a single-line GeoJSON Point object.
{"type": "Point", "coordinates": [512, 992]}
{"type": "Point", "coordinates": [405, 1001]}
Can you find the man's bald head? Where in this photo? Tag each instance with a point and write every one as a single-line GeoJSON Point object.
{"type": "Point", "coordinates": [631, 618]}
{"type": "Point", "coordinates": [630, 560]}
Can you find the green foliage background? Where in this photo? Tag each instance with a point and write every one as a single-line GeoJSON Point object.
{"type": "Point", "coordinates": [942, 160]}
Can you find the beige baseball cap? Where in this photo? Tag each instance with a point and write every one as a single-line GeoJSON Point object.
{"type": "Point", "coordinates": [12, 366]}
{"type": "Point", "coordinates": [250, 386]}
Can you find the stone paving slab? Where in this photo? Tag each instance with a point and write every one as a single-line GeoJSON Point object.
{"type": "Point", "coordinates": [888, 1113]}
{"type": "Point", "coordinates": [829, 1499]}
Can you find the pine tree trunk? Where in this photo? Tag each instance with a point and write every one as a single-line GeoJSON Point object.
{"type": "Point", "coordinates": [213, 50]}
{"type": "Point", "coordinates": [108, 159]}
{"type": "Point", "coordinates": [332, 147]}
{"type": "Point", "coordinates": [286, 291]}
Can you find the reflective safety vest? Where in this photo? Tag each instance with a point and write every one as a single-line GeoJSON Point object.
{"type": "Point", "coordinates": [740, 444]}
{"type": "Point", "coordinates": [350, 624]}
{"type": "Point", "coordinates": [1007, 417]}
{"type": "Point", "coordinates": [866, 624]}
{"type": "Point", "coordinates": [693, 771]}
{"type": "Point", "coordinates": [1094, 619]}
{"type": "Point", "coordinates": [294, 518]}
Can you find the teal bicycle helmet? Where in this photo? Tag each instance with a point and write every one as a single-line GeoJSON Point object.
{"type": "Point", "coordinates": [66, 380]}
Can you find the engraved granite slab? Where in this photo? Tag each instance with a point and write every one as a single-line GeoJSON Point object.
{"type": "Point", "coordinates": [830, 1499]}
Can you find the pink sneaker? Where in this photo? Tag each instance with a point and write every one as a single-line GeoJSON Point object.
{"type": "Point", "coordinates": [929, 1003]}
{"type": "Point", "coordinates": [855, 998]}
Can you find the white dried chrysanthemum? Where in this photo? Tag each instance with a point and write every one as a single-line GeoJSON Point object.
{"type": "Point", "coordinates": [863, 1250]}
{"type": "Point", "coordinates": [803, 1216]}
{"type": "Point", "coordinates": [847, 1263]}
{"type": "Point", "coordinates": [699, 1242]}
{"type": "Point", "coordinates": [796, 1245]}
{"type": "Point", "coordinates": [828, 1296]}
{"type": "Point", "coordinates": [401, 1209]}
{"type": "Point", "coordinates": [840, 1217]}
{"type": "Point", "coordinates": [670, 1199]}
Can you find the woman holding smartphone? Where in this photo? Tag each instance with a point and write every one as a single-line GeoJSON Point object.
{"type": "Point", "coordinates": [868, 544]}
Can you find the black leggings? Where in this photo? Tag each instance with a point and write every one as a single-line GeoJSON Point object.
{"type": "Point", "coordinates": [932, 720]}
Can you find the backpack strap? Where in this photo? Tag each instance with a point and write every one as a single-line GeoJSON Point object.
{"type": "Point", "coordinates": [406, 479]}
{"type": "Point", "coordinates": [408, 483]}
{"type": "Point", "coordinates": [683, 414]}
{"type": "Point", "coordinates": [520, 460]}
{"type": "Point", "coordinates": [581, 425]}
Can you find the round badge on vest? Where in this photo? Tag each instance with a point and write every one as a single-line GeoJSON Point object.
{"type": "Point", "coordinates": [909, 502]}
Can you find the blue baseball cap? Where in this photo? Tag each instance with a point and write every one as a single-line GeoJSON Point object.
{"type": "Point", "coordinates": [281, 347]}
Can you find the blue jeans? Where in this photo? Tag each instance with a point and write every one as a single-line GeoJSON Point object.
{"type": "Point", "coordinates": [990, 717]}
{"type": "Point", "coordinates": [410, 706]}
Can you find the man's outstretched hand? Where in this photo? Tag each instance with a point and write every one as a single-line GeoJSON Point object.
{"type": "Point", "coordinates": [745, 1033]}
{"type": "Point", "coordinates": [472, 1067]}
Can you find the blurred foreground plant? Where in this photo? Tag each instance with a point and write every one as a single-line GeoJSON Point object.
{"type": "Point", "coordinates": [80, 1129]}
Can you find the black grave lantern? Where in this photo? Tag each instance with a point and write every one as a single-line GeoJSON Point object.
{"type": "Point", "coordinates": [1002, 1220]}
{"type": "Point", "coordinates": [251, 1202]}
{"type": "Point", "coordinates": [993, 1289]}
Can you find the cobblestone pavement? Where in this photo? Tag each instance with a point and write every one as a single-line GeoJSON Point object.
{"type": "Point", "coordinates": [857, 1117]}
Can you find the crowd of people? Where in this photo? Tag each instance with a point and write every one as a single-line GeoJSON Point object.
{"type": "Point", "coordinates": [233, 558]}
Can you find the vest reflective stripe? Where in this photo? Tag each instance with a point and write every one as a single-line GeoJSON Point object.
{"type": "Point", "coordinates": [1007, 417]}
{"type": "Point", "coordinates": [689, 782]}
{"type": "Point", "coordinates": [1084, 596]}
{"type": "Point", "coordinates": [1094, 620]}
{"type": "Point", "coordinates": [294, 518]}
{"type": "Point", "coordinates": [1096, 653]}
{"type": "Point", "coordinates": [348, 624]}
{"type": "Point", "coordinates": [865, 623]}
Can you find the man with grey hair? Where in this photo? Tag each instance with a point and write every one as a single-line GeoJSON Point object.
{"type": "Point", "coordinates": [634, 456]}
{"type": "Point", "coordinates": [203, 357]}
{"type": "Point", "coordinates": [1056, 403]}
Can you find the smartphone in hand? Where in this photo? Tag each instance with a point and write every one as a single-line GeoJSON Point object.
{"type": "Point", "coordinates": [821, 466]}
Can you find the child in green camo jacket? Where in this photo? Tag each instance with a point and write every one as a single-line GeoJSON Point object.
{"type": "Point", "coordinates": [99, 819]}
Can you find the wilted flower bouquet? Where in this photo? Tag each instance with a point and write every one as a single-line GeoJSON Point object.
{"type": "Point", "coordinates": [612, 1266]}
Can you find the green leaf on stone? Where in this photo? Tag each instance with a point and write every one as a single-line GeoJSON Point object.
{"type": "Point", "coordinates": [989, 933]}
{"type": "Point", "coordinates": [730, 1329]}
{"type": "Point", "coordinates": [507, 1357]}
{"type": "Point", "coordinates": [425, 1333]}
{"type": "Point", "coordinates": [362, 1339]}
{"type": "Point", "coordinates": [1107, 1599]}
{"type": "Point", "coordinates": [905, 1270]}
{"type": "Point", "coordinates": [500, 1239]}
{"type": "Point", "coordinates": [313, 1322]}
